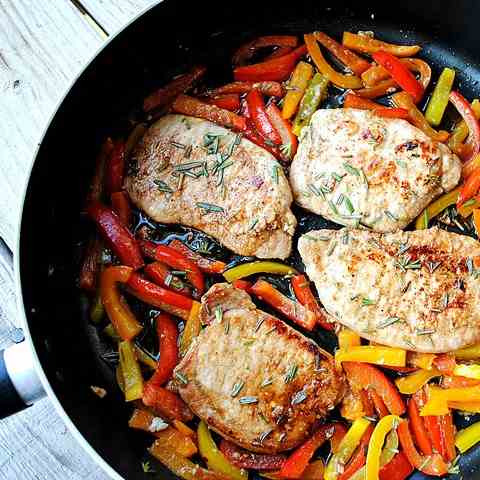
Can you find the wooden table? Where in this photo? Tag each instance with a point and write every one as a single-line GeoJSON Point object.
{"type": "Point", "coordinates": [44, 44]}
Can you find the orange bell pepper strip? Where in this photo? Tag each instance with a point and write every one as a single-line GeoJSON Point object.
{"type": "Point", "coordinates": [399, 468]}
{"type": "Point", "coordinates": [166, 403]}
{"type": "Point", "coordinates": [471, 166]}
{"type": "Point", "coordinates": [378, 403]}
{"type": "Point", "coordinates": [207, 265]}
{"type": "Point", "coordinates": [445, 363]}
{"type": "Point", "coordinates": [339, 79]}
{"type": "Point", "coordinates": [418, 427]}
{"type": "Point", "coordinates": [304, 295]}
{"type": "Point", "coordinates": [119, 313]}
{"type": "Point", "coordinates": [471, 407]}
{"type": "Point", "coordinates": [296, 88]}
{"type": "Point", "coordinates": [400, 73]}
{"type": "Point", "coordinates": [243, 285]}
{"type": "Point", "coordinates": [268, 88]}
{"type": "Point", "coordinates": [386, 87]}
{"type": "Point", "coordinates": [365, 44]}
{"type": "Point", "coordinates": [248, 50]}
{"type": "Point", "coordinates": [227, 101]}
{"type": "Point", "coordinates": [277, 69]}
{"type": "Point", "coordinates": [354, 101]}
{"type": "Point", "coordinates": [115, 168]}
{"type": "Point", "coordinates": [159, 273]}
{"type": "Point", "coordinates": [121, 206]}
{"type": "Point", "coordinates": [192, 328]}
{"type": "Point", "coordinates": [296, 312]}
{"type": "Point", "coordinates": [469, 188]}
{"type": "Point", "coordinates": [289, 143]}
{"type": "Point", "coordinates": [448, 432]}
{"type": "Point", "coordinates": [460, 132]}
{"type": "Point", "coordinates": [355, 63]}
{"type": "Point", "coordinates": [476, 220]}
{"type": "Point", "coordinates": [359, 457]}
{"type": "Point", "coordinates": [260, 119]}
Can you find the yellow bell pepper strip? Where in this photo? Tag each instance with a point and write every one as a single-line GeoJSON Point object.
{"type": "Point", "coordinates": [468, 437]}
{"type": "Point", "coordinates": [384, 426]}
{"type": "Point", "coordinates": [468, 353]}
{"type": "Point", "coordinates": [436, 207]}
{"type": "Point", "coordinates": [365, 44]}
{"type": "Point", "coordinates": [346, 448]}
{"type": "Point", "coordinates": [339, 79]}
{"type": "Point", "coordinates": [377, 355]}
{"type": "Point", "coordinates": [460, 132]}
{"type": "Point", "coordinates": [469, 371]}
{"type": "Point", "coordinates": [214, 458]}
{"type": "Point", "coordinates": [315, 93]}
{"type": "Point", "coordinates": [145, 358]}
{"type": "Point", "coordinates": [471, 407]}
{"type": "Point", "coordinates": [296, 88]}
{"type": "Point", "coordinates": [476, 220]}
{"type": "Point", "coordinates": [259, 266]}
{"type": "Point", "coordinates": [439, 100]}
{"type": "Point", "coordinates": [412, 383]}
{"type": "Point", "coordinates": [438, 398]}
{"type": "Point", "coordinates": [348, 338]}
{"type": "Point", "coordinates": [192, 328]}
{"type": "Point", "coordinates": [132, 375]}
{"type": "Point", "coordinates": [421, 360]}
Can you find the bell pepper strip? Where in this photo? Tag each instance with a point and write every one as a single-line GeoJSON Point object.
{"type": "Point", "coordinates": [448, 432]}
{"type": "Point", "coordinates": [372, 354]}
{"type": "Point", "coordinates": [339, 431]}
{"type": "Point", "coordinates": [400, 73]}
{"type": "Point", "coordinates": [468, 437]}
{"type": "Point", "coordinates": [192, 328]}
{"type": "Point", "coordinates": [438, 398]}
{"type": "Point", "coordinates": [297, 85]}
{"type": "Point", "coordinates": [367, 402]}
{"type": "Point", "coordinates": [241, 458]}
{"type": "Point", "coordinates": [252, 135]}
{"type": "Point", "coordinates": [119, 313]}
{"type": "Point", "coordinates": [351, 60]}
{"type": "Point", "coordinates": [470, 407]}
{"type": "Point", "coordinates": [167, 333]}
{"type": "Point", "coordinates": [399, 468]}
{"type": "Point", "coordinates": [166, 403]}
{"type": "Point", "coordinates": [176, 260]}
{"type": "Point", "coordinates": [97, 310]}
{"type": "Point", "coordinates": [243, 285]}
{"type": "Point", "coordinates": [355, 405]}
{"type": "Point", "coordinates": [121, 206]}
{"type": "Point", "coordinates": [354, 101]}
{"type": "Point", "coordinates": [260, 266]}
{"type": "Point", "coordinates": [178, 441]}
{"type": "Point", "coordinates": [347, 447]}
{"type": "Point", "coordinates": [417, 424]}
{"type": "Point", "coordinates": [227, 101]}
{"type": "Point", "coordinates": [445, 363]}
{"type": "Point", "coordinates": [469, 371]}
{"type": "Point", "coordinates": [289, 141]}
{"type": "Point", "coordinates": [185, 429]}
{"type": "Point", "coordinates": [303, 293]}
{"type": "Point", "coordinates": [249, 49]}
{"type": "Point", "coordinates": [145, 358]}
{"type": "Point", "coordinates": [260, 119]}
{"type": "Point", "coordinates": [439, 100]}
{"type": "Point", "coordinates": [268, 88]}
{"type": "Point", "coordinates": [404, 100]}
{"type": "Point", "coordinates": [89, 269]}
{"type": "Point", "coordinates": [132, 375]}
{"type": "Point", "coordinates": [436, 207]}
{"type": "Point", "coordinates": [117, 236]}
{"type": "Point", "coordinates": [294, 311]}
{"type": "Point", "coordinates": [433, 427]}
{"type": "Point", "coordinates": [207, 265]}
{"type": "Point", "coordinates": [449, 381]}
{"type": "Point", "coordinates": [314, 471]}
{"type": "Point", "coordinates": [378, 403]}
{"type": "Point", "coordinates": [114, 168]}
{"type": "Point", "coordinates": [161, 275]}
{"type": "Point", "coordinates": [314, 94]}
{"type": "Point", "coordinates": [412, 383]}
{"type": "Point", "coordinates": [461, 130]}
{"type": "Point", "coordinates": [213, 457]}
{"type": "Point", "coordinates": [386, 87]}
{"type": "Point", "coordinates": [421, 360]}
{"type": "Point", "coordinates": [365, 44]}
{"type": "Point", "coordinates": [468, 208]}
{"type": "Point", "coordinates": [390, 112]}
{"type": "Point", "coordinates": [164, 96]}
{"type": "Point", "coordinates": [468, 353]}
{"type": "Point", "coordinates": [430, 464]}
{"type": "Point", "coordinates": [469, 188]}
{"type": "Point", "coordinates": [348, 338]}
{"type": "Point", "coordinates": [359, 457]}
{"type": "Point", "coordinates": [367, 376]}
{"type": "Point", "coordinates": [470, 119]}
{"type": "Point", "coordinates": [297, 462]}
{"type": "Point", "coordinates": [110, 331]}
{"type": "Point", "coordinates": [278, 52]}
{"type": "Point", "coordinates": [278, 69]}
{"type": "Point", "coordinates": [196, 108]}
{"type": "Point", "coordinates": [181, 466]}
{"type": "Point", "coordinates": [338, 79]}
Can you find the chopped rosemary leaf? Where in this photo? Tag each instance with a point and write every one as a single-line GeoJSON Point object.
{"type": "Point", "coordinates": [210, 207]}
{"type": "Point", "coordinates": [403, 248]}
{"type": "Point", "coordinates": [218, 313]}
{"type": "Point", "coordinates": [178, 144]}
{"type": "Point", "coordinates": [349, 205]}
{"type": "Point", "coordinates": [270, 331]}
{"type": "Point", "coordinates": [253, 224]}
{"type": "Point", "coordinates": [322, 238]}
{"type": "Point", "coordinates": [181, 378]}
{"type": "Point", "coordinates": [181, 167]}
{"type": "Point", "coordinates": [249, 342]}
{"type": "Point", "coordinates": [259, 324]}
{"type": "Point", "coordinates": [367, 301]}
{"type": "Point", "coordinates": [333, 208]}
{"type": "Point", "coordinates": [331, 248]}
{"type": "Point", "coordinates": [432, 266]}
{"type": "Point", "coordinates": [247, 400]}
{"type": "Point", "coordinates": [340, 199]}
{"type": "Point", "coordinates": [162, 186]}
{"type": "Point", "coordinates": [188, 151]}
{"type": "Point", "coordinates": [275, 174]}
{"type": "Point", "coordinates": [388, 321]}
{"type": "Point", "coordinates": [262, 416]}
{"type": "Point", "coordinates": [291, 372]}
{"type": "Point", "coordinates": [286, 149]}
{"type": "Point", "coordinates": [315, 190]}
{"type": "Point", "coordinates": [299, 397]}
{"type": "Point", "coordinates": [351, 169]}
{"type": "Point", "coordinates": [264, 435]}
{"type": "Point", "coordinates": [426, 331]}
{"type": "Point", "coordinates": [266, 382]}
{"type": "Point", "coordinates": [226, 326]}
{"type": "Point", "coordinates": [408, 343]}
{"type": "Point", "coordinates": [337, 177]}
{"type": "Point", "coordinates": [391, 216]}
{"type": "Point", "coordinates": [445, 300]}
{"type": "Point", "coordinates": [345, 237]}
{"type": "Point", "coordinates": [236, 389]}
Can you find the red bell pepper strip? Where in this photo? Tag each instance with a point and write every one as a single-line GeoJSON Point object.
{"type": "Point", "coordinates": [241, 458]}
{"type": "Point", "coordinates": [260, 119]}
{"type": "Point", "coordinates": [304, 295]}
{"type": "Point", "coordinates": [401, 74]}
{"type": "Point", "coordinates": [292, 310]}
{"type": "Point", "coordinates": [398, 468]}
{"type": "Point", "coordinates": [378, 403]}
{"type": "Point", "coordinates": [115, 168]}
{"type": "Point", "coordinates": [166, 95]}
{"type": "Point", "coordinates": [298, 460]}
{"type": "Point", "coordinates": [159, 297]}
{"type": "Point", "coordinates": [228, 101]}
{"type": "Point", "coordinates": [433, 424]}
{"type": "Point", "coordinates": [117, 236]}
{"type": "Point", "coordinates": [339, 431]}
{"type": "Point", "coordinates": [391, 112]}
{"type": "Point", "coordinates": [351, 60]}
{"type": "Point", "coordinates": [176, 260]}
{"type": "Point", "coordinates": [278, 69]}
{"type": "Point", "coordinates": [161, 275]}
{"type": "Point", "coordinates": [469, 188]}
{"type": "Point", "coordinates": [256, 138]}
{"type": "Point", "coordinates": [207, 265]}
{"type": "Point", "coordinates": [196, 108]}
{"type": "Point", "coordinates": [248, 50]}
{"type": "Point", "coordinates": [431, 464]}
{"type": "Point", "coordinates": [289, 142]}
{"type": "Point", "coordinates": [242, 285]}
{"type": "Point", "coordinates": [119, 313]}
{"type": "Point", "coordinates": [445, 363]}
{"type": "Point", "coordinates": [367, 402]}
{"type": "Point", "coordinates": [354, 101]}
{"type": "Point", "coordinates": [359, 457]}
{"type": "Point", "coordinates": [270, 89]}
{"type": "Point", "coordinates": [278, 52]}
{"type": "Point", "coordinates": [465, 110]}
{"type": "Point", "coordinates": [121, 206]}
{"type": "Point", "coordinates": [91, 260]}
{"type": "Point", "coordinates": [167, 333]}
{"type": "Point", "coordinates": [418, 427]}
{"type": "Point", "coordinates": [365, 44]}
{"type": "Point", "coordinates": [368, 376]}
{"type": "Point", "coordinates": [448, 432]}
{"type": "Point", "coordinates": [165, 403]}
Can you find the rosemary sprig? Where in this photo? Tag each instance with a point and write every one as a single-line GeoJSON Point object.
{"type": "Point", "coordinates": [210, 207]}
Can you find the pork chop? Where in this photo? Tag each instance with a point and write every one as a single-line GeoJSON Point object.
{"type": "Point", "coordinates": [414, 290]}
{"type": "Point", "coordinates": [190, 171]}
{"type": "Point", "coordinates": [254, 379]}
{"type": "Point", "coordinates": [353, 167]}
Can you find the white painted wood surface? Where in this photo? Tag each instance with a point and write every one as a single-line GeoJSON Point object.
{"type": "Point", "coordinates": [43, 46]}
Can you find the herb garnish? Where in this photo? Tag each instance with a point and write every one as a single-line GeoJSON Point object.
{"type": "Point", "coordinates": [236, 389]}
{"type": "Point", "coordinates": [162, 186]}
{"type": "Point", "coordinates": [367, 301]}
{"type": "Point", "coordinates": [247, 400]}
{"type": "Point", "coordinates": [291, 372]}
{"type": "Point", "coordinates": [388, 321]}
{"type": "Point", "coordinates": [275, 174]}
{"type": "Point", "coordinates": [299, 397]}
{"type": "Point", "coordinates": [264, 435]}
{"type": "Point", "coordinates": [259, 324]}
{"type": "Point", "coordinates": [351, 169]}
{"type": "Point", "coordinates": [286, 149]}
{"type": "Point", "coordinates": [391, 216]}
{"type": "Point", "coordinates": [210, 207]}
{"type": "Point", "coordinates": [266, 382]}
{"type": "Point", "coordinates": [181, 378]}
{"type": "Point", "coordinates": [178, 144]}
{"type": "Point", "coordinates": [218, 313]}
{"type": "Point", "coordinates": [331, 248]}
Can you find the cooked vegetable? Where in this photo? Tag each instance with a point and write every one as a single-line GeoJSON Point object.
{"type": "Point", "coordinates": [468, 437]}
{"type": "Point", "coordinates": [296, 88]}
{"type": "Point", "coordinates": [132, 375]}
{"type": "Point", "coordinates": [89, 269]}
{"type": "Point", "coordinates": [121, 206]}
{"type": "Point", "coordinates": [354, 101]}
{"type": "Point", "coordinates": [192, 328]}
{"type": "Point", "coordinates": [260, 119]}
{"type": "Point", "coordinates": [289, 143]}
{"type": "Point", "coordinates": [161, 275]}
{"type": "Point", "coordinates": [207, 265]}
{"type": "Point", "coordinates": [470, 407]}
{"type": "Point", "coordinates": [439, 100]}
{"type": "Point", "coordinates": [410, 384]}
{"type": "Point", "coordinates": [358, 459]}
{"type": "Point", "coordinates": [399, 468]}
{"type": "Point", "coordinates": [259, 266]}
{"type": "Point", "coordinates": [469, 207]}
{"type": "Point", "coordinates": [436, 207]}
{"type": "Point", "coordinates": [269, 88]}
{"type": "Point", "coordinates": [449, 381]}
{"type": "Point", "coordinates": [366, 44]}
{"type": "Point", "coordinates": [249, 49]}
{"type": "Point", "coordinates": [469, 371]}
{"type": "Point", "coordinates": [243, 285]}
{"type": "Point", "coordinates": [227, 101]}
{"type": "Point", "coordinates": [372, 354]}
{"type": "Point", "coordinates": [438, 398]}
{"type": "Point", "coordinates": [348, 338]}
{"type": "Point", "coordinates": [378, 403]}
{"type": "Point", "coordinates": [144, 357]}
{"type": "Point", "coordinates": [470, 188]}
{"type": "Point", "coordinates": [460, 132]}
{"type": "Point", "coordinates": [114, 168]}
{"type": "Point", "coordinates": [418, 427]}
{"type": "Point", "coordinates": [339, 431]}
{"type": "Point", "coordinates": [468, 353]}
{"type": "Point", "coordinates": [381, 89]}
{"type": "Point", "coordinates": [339, 79]}
{"type": "Point", "coordinates": [97, 311]}
{"type": "Point", "coordinates": [445, 363]}
{"type": "Point", "coordinates": [166, 403]}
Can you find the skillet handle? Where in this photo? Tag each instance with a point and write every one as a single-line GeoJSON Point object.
{"type": "Point", "coordinates": [20, 386]}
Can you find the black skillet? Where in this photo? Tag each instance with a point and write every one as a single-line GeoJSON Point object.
{"type": "Point", "coordinates": [161, 43]}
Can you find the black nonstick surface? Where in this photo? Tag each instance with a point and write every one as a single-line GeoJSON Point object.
{"type": "Point", "coordinates": [166, 41]}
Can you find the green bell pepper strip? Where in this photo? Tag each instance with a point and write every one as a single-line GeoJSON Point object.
{"type": "Point", "coordinates": [251, 268]}
{"type": "Point", "coordinates": [439, 99]}
{"type": "Point", "coordinates": [132, 375]}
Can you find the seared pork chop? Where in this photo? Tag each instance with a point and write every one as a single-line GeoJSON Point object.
{"type": "Point", "coordinates": [353, 167]}
{"type": "Point", "coordinates": [415, 290]}
{"type": "Point", "coordinates": [253, 379]}
{"type": "Point", "coordinates": [190, 171]}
